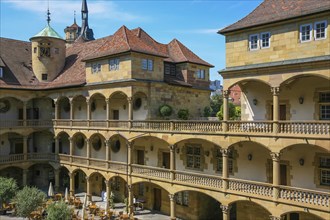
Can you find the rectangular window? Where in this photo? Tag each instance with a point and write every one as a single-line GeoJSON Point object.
{"type": "Point", "coordinates": [193, 157]}
{"type": "Point", "coordinates": [253, 42]}
{"type": "Point", "coordinates": [1, 72]}
{"type": "Point", "coordinates": [35, 49]}
{"type": "Point", "coordinates": [305, 32]}
{"type": "Point", "coordinates": [147, 64]}
{"type": "Point", "coordinates": [230, 162]}
{"type": "Point", "coordinates": [265, 40]}
{"type": "Point", "coordinates": [324, 102]}
{"type": "Point", "coordinates": [200, 74]}
{"type": "Point", "coordinates": [96, 67]}
{"type": "Point", "coordinates": [325, 171]}
{"type": "Point", "coordinates": [169, 69]}
{"type": "Point", "coordinates": [182, 198]}
{"type": "Point", "coordinates": [44, 76]}
{"type": "Point", "coordinates": [113, 64]}
{"type": "Point", "coordinates": [320, 30]}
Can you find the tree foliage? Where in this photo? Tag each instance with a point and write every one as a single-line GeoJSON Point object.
{"type": "Point", "coordinates": [59, 210]}
{"type": "Point", "coordinates": [183, 114]}
{"type": "Point", "coordinates": [234, 112]}
{"type": "Point", "coordinates": [215, 103]}
{"type": "Point", "coordinates": [27, 200]}
{"type": "Point", "coordinates": [165, 110]}
{"type": "Point", "coordinates": [8, 188]}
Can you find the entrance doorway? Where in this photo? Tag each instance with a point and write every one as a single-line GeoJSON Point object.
{"type": "Point", "coordinates": [282, 113]}
{"type": "Point", "coordinates": [115, 114]}
{"type": "Point", "coordinates": [166, 160]}
{"type": "Point", "coordinates": [283, 174]}
{"type": "Point", "coordinates": [140, 157]}
{"type": "Point", "coordinates": [157, 199]}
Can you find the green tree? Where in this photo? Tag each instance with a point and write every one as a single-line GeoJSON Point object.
{"type": "Point", "coordinates": [207, 111]}
{"type": "Point", "coordinates": [183, 114]}
{"type": "Point", "coordinates": [234, 112]}
{"type": "Point", "coordinates": [59, 210]}
{"type": "Point", "coordinates": [27, 200]}
{"type": "Point", "coordinates": [165, 110]}
{"type": "Point", "coordinates": [215, 103]}
{"type": "Point", "coordinates": [8, 188]}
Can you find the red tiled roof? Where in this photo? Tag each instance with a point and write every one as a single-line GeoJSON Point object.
{"type": "Point", "coordinates": [16, 57]}
{"type": "Point", "coordinates": [276, 10]}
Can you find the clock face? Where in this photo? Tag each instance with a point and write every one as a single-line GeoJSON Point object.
{"type": "Point", "coordinates": [4, 105]}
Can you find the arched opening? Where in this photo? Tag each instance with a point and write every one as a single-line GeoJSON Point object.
{"type": "Point", "coordinates": [247, 210]}
{"type": "Point", "coordinates": [140, 106]}
{"type": "Point", "coordinates": [40, 109]}
{"type": "Point", "coordinates": [11, 143]}
{"type": "Point", "coordinates": [64, 143]}
{"type": "Point", "coordinates": [97, 146]}
{"type": "Point", "coordinates": [98, 107]}
{"type": "Point", "coordinates": [41, 142]}
{"type": "Point", "coordinates": [151, 151]}
{"type": "Point", "coordinates": [11, 109]}
{"type": "Point", "coordinates": [245, 156]}
{"type": "Point", "coordinates": [299, 216]}
{"type": "Point", "coordinates": [308, 166]}
{"type": "Point", "coordinates": [118, 148]}
{"type": "Point", "coordinates": [13, 172]}
{"type": "Point", "coordinates": [40, 175]}
{"type": "Point", "coordinates": [97, 184]}
{"type": "Point", "coordinates": [195, 205]}
{"type": "Point", "coordinates": [80, 181]}
{"type": "Point", "coordinates": [79, 107]}
{"type": "Point", "coordinates": [118, 187]}
{"type": "Point", "coordinates": [64, 179]}
{"type": "Point", "coordinates": [308, 97]}
{"type": "Point", "coordinates": [79, 145]}
{"type": "Point", "coordinates": [64, 108]}
{"type": "Point", "coordinates": [118, 106]}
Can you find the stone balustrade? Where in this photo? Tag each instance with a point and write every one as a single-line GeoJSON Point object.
{"type": "Point", "coordinates": [26, 123]}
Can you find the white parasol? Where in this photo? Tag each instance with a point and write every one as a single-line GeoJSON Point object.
{"type": "Point", "coordinates": [66, 195]}
{"type": "Point", "coordinates": [51, 190]}
{"type": "Point", "coordinates": [84, 207]}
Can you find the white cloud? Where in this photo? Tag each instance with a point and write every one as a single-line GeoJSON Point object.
{"type": "Point", "coordinates": [62, 10]}
{"type": "Point", "coordinates": [196, 31]}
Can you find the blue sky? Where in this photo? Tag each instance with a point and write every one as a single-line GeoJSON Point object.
{"type": "Point", "coordinates": [193, 22]}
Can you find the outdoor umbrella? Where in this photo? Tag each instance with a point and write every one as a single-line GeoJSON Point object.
{"type": "Point", "coordinates": [66, 195]}
{"type": "Point", "coordinates": [51, 190]}
{"type": "Point", "coordinates": [84, 207]}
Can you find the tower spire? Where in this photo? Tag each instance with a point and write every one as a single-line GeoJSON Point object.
{"type": "Point", "coordinates": [48, 14]}
{"type": "Point", "coordinates": [74, 15]}
{"type": "Point", "coordinates": [86, 33]}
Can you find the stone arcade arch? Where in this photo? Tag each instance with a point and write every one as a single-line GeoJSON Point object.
{"type": "Point", "coordinates": [248, 210]}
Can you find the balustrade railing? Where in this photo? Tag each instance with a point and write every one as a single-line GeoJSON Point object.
{"type": "Point", "coordinates": [151, 171]}
{"type": "Point", "coordinates": [79, 123]}
{"type": "Point", "coordinates": [117, 166]}
{"type": "Point", "coordinates": [305, 196]}
{"type": "Point", "coordinates": [199, 126]}
{"type": "Point", "coordinates": [304, 127]}
{"type": "Point", "coordinates": [79, 160]}
{"type": "Point", "coordinates": [41, 156]}
{"type": "Point", "coordinates": [98, 123]}
{"type": "Point", "coordinates": [151, 125]}
{"type": "Point", "coordinates": [64, 157]}
{"type": "Point", "coordinates": [11, 158]}
{"type": "Point", "coordinates": [97, 163]}
{"type": "Point", "coordinates": [39, 123]}
{"type": "Point", "coordinates": [250, 126]}
{"type": "Point", "coordinates": [250, 187]}
{"type": "Point", "coordinates": [199, 179]}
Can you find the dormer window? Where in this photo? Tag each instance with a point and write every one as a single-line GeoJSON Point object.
{"type": "Point", "coordinates": [114, 64]}
{"type": "Point", "coordinates": [169, 69]}
{"type": "Point", "coordinates": [200, 74]}
{"type": "Point", "coordinates": [96, 67]}
{"type": "Point", "coordinates": [44, 76]}
{"type": "Point", "coordinates": [147, 64]}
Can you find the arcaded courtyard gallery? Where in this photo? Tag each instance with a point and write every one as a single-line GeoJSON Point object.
{"type": "Point", "coordinates": [89, 119]}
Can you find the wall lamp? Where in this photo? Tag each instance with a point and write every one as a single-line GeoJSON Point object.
{"type": "Point", "coordinates": [249, 156]}
{"type": "Point", "coordinates": [301, 100]}
{"type": "Point", "coordinates": [255, 101]}
{"type": "Point", "coordinates": [177, 150]}
{"type": "Point", "coordinates": [301, 162]}
{"type": "Point", "coordinates": [207, 153]}
{"type": "Point", "coordinates": [151, 147]}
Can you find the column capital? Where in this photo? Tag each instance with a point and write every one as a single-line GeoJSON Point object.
{"type": "Point", "coordinates": [71, 100]}
{"type": "Point", "coordinates": [25, 171]}
{"type": "Point", "coordinates": [271, 217]}
{"type": "Point", "coordinates": [87, 178]}
{"type": "Point", "coordinates": [275, 156]}
{"type": "Point", "coordinates": [275, 90]}
{"type": "Point", "coordinates": [129, 99]}
{"type": "Point", "coordinates": [107, 100]}
{"type": "Point", "coordinates": [25, 138]}
{"type": "Point", "coordinates": [56, 101]}
{"type": "Point", "coordinates": [225, 208]}
{"type": "Point", "coordinates": [172, 147]}
{"type": "Point", "coordinates": [129, 144]}
{"type": "Point", "coordinates": [225, 152]}
{"type": "Point", "coordinates": [106, 182]}
{"type": "Point", "coordinates": [171, 196]}
{"type": "Point", "coordinates": [106, 143]}
{"type": "Point", "coordinates": [87, 100]}
{"type": "Point", "coordinates": [70, 139]}
{"type": "Point", "coordinates": [226, 93]}
{"type": "Point", "coordinates": [87, 140]}
{"type": "Point", "coordinates": [72, 175]}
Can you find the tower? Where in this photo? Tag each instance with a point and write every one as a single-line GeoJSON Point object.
{"type": "Point", "coordinates": [48, 53]}
{"type": "Point", "coordinates": [72, 32]}
{"type": "Point", "coordinates": [86, 33]}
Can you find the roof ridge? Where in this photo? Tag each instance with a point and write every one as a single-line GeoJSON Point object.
{"type": "Point", "coordinates": [179, 45]}
{"type": "Point", "coordinates": [126, 37]}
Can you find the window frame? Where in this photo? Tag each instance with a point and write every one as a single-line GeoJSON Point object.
{"type": "Point", "coordinates": [326, 169]}
{"type": "Point", "coordinates": [325, 30]}
{"type": "Point", "coordinates": [44, 76]}
{"type": "Point", "coordinates": [250, 44]}
{"type": "Point", "coordinates": [97, 69]}
{"type": "Point", "coordinates": [182, 198]}
{"type": "Point", "coordinates": [261, 40]}
{"type": "Point", "coordinates": [323, 103]}
{"type": "Point", "coordinates": [200, 74]}
{"type": "Point", "coordinates": [1, 72]}
{"type": "Point", "coordinates": [147, 64]}
{"type": "Point", "coordinates": [219, 162]}
{"type": "Point", "coordinates": [310, 32]}
{"type": "Point", "coordinates": [115, 65]}
{"type": "Point", "coordinates": [196, 159]}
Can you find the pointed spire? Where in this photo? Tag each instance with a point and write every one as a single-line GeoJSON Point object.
{"type": "Point", "coordinates": [74, 17]}
{"type": "Point", "coordinates": [84, 6]}
{"type": "Point", "coordinates": [48, 14]}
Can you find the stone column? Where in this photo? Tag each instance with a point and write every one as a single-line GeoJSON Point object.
{"type": "Point", "coordinates": [130, 110]}
{"type": "Point", "coordinates": [25, 147]}
{"type": "Point", "coordinates": [225, 153]}
{"type": "Point", "coordinates": [130, 200]}
{"type": "Point", "coordinates": [71, 148]}
{"type": "Point", "coordinates": [88, 110]}
{"type": "Point", "coordinates": [57, 147]}
{"type": "Point", "coordinates": [88, 189]}
{"type": "Point", "coordinates": [172, 161]}
{"type": "Point", "coordinates": [24, 113]}
{"type": "Point", "coordinates": [57, 180]}
{"type": "Point", "coordinates": [225, 110]}
{"type": "Point", "coordinates": [275, 91]}
{"type": "Point", "coordinates": [107, 101]}
{"type": "Point", "coordinates": [172, 206]}
{"type": "Point", "coordinates": [56, 102]}
{"type": "Point", "coordinates": [225, 212]}
{"type": "Point", "coordinates": [71, 110]}
{"type": "Point", "coordinates": [276, 174]}
{"type": "Point", "coordinates": [107, 150]}
{"type": "Point", "coordinates": [25, 173]}
{"type": "Point", "coordinates": [129, 157]}
{"type": "Point", "coordinates": [108, 189]}
{"type": "Point", "coordinates": [71, 175]}
{"type": "Point", "coordinates": [88, 146]}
